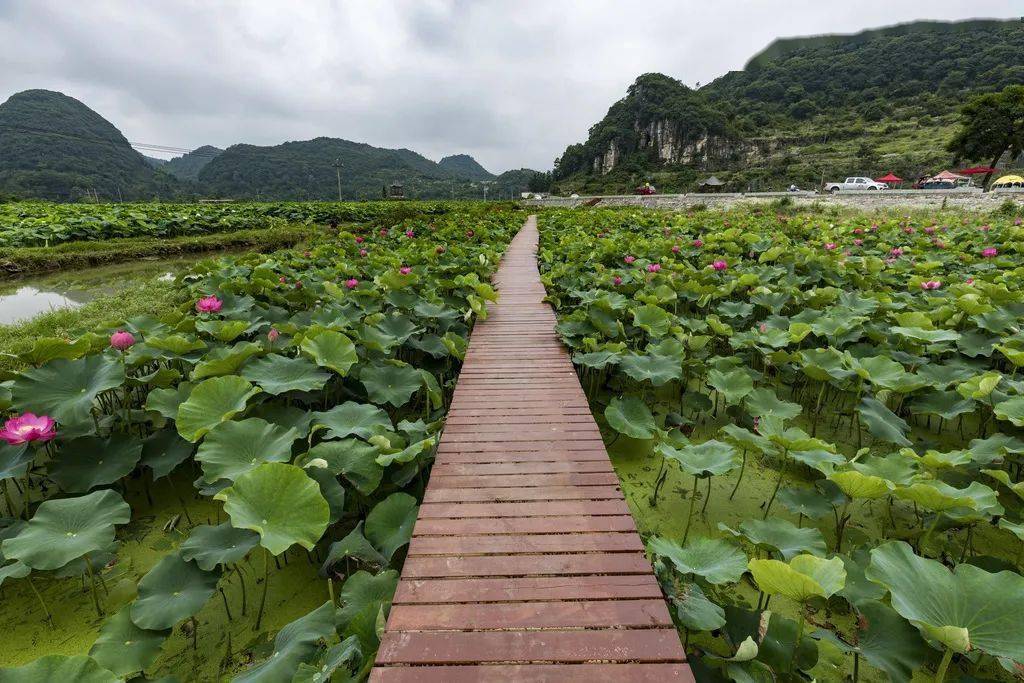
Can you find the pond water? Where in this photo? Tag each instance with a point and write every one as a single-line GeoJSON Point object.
{"type": "Point", "coordinates": [24, 298]}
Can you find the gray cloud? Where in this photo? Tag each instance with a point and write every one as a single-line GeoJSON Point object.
{"type": "Point", "coordinates": [510, 83]}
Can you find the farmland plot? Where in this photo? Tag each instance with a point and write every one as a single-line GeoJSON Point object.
{"type": "Point", "coordinates": [816, 419]}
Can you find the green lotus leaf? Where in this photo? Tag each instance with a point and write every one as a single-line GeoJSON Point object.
{"type": "Point", "coordinates": [14, 570]}
{"type": "Point", "coordinates": [927, 336]}
{"type": "Point", "coordinates": [711, 458]}
{"type": "Point", "coordinates": [286, 416]}
{"type": "Point", "coordinates": [225, 360]}
{"type": "Point", "coordinates": [177, 344]}
{"type": "Point", "coordinates": [882, 423]}
{"type": "Point", "coordinates": [350, 418]}
{"type": "Point", "coordinates": [279, 502]}
{"type": "Point", "coordinates": [294, 644]}
{"type": "Point", "coordinates": [209, 546]}
{"type": "Point", "coordinates": [212, 402]}
{"type": "Point", "coordinates": [170, 592]}
{"type": "Point", "coordinates": [781, 535]}
{"type": "Point", "coordinates": [804, 501]}
{"type": "Point", "coordinates": [124, 648]}
{"type": "Point", "coordinates": [733, 385]}
{"type": "Point", "coordinates": [968, 608]}
{"type": "Point", "coordinates": [53, 668]}
{"type": "Point", "coordinates": [163, 451]}
{"type": "Point", "coordinates": [936, 460]}
{"type": "Point", "coordinates": [653, 320]}
{"type": "Point", "coordinates": [65, 529]}
{"type": "Point", "coordinates": [820, 459]}
{"type": "Point", "coordinates": [889, 643]}
{"type": "Point", "coordinates": [979, 386]}
{"type": "Point", "coordinates": [858, 587]}
{"type": "Point", "coordinates": [715, 560]}
{"type": "Point", "coordinates": [15, 460]}
{"type": "Point", "coordinates": [276, 374]}
{"type": "Point", "coordinates": [167, 401]}
{"type": "Point", "coordinates": [1015, 528]}
{"type": "Point", "coordinates": [856, 484]}
{"type": "Point", "coordinates": [763, 401]}
{"type": "Point", "coordinates": [881, 371]}
{"type": "Point", "coordinates": [938, 496]}
{"type": "Point", "coordinates": [653, 368]}
{"type": "Point", "coordinates": [630, 416]}
{"type": "Point", "coordinates": [46, 349]}
{"type": "Point", "coordinates": [345, 654]}
{"type": "Point", "coordinates": [895, 468]}
{"type": "Point", "coordinates": [393, 384]}
{"type": "Point", "coordinates": [598, 360]}
{"type": "Point", "coordinates": [225, 330]}
{"type": "Point", "coordinates": [695, 610]}
{"type": "Point", "coordinates": [804, 577]}
{"type": "Point", "coordinates": [746, 439]}
{"type": "Point", "coordinates": [352, 459]}
{"type": "Point", "coordinates": [1003, 477]}
{"type": "Point", "coordinates": [330, 349]}
{"type": "Point", "coordinates": [945, 404]}
{"type": "Point", "coordinates": [407, 454]}
{"type": "Point", "coordinates": [363, 590]}
{"type": "Point", "coordinates": [65, 390]}
{"type": "Point", "coordinates": [330, 488]}
{"type": "Point", "coordinates": [233, 448]}
{"type": "Point", "coordinates": [1011, 410]}
{"type": "Point", "coordinates": [390, 522]}
{"type": "Point", "coordinates": [825, 364]}
{"type": "Point", "coordinates": [355, 545]}
{"type": "Point", "coordinates": [89, 461]}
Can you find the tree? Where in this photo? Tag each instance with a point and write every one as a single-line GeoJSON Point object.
{"type": "Point", "coordinates": [990, 125]}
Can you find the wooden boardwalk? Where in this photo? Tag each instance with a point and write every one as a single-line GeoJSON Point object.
{"type": "Point", "coordinates": [525, 564]}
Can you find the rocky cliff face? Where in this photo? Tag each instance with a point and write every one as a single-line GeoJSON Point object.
{"type": "Point", "coordinates": [668, 143]}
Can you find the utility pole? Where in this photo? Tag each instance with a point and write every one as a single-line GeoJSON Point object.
{"type": "Point", "coordinates": [485, 192]}
{"type": "Point", "coordinates": [337, 170]}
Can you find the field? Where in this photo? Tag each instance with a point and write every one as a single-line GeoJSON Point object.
{"type": "Point", "coordinates": [224, 490]}
{"type": "Point", "coordinates": [815, 416]}
{"type": "Point", "coordinates": [816, 422]}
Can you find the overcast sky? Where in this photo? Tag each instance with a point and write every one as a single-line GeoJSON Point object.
{"type": "Point", "coordinates": [511, 83]}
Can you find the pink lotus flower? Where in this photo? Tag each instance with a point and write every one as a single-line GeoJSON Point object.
{"type": "Point", "coordinates": [282, 279]}
{"type": "Point", "coordinates": [122, 340]}
{"type": "Point", "coordinates": [209, 304]}
{"type": "Point", "coordinates": [273, 335]}
{"type": "Point", "coordinates": [1017, 221]}
{"type": "Point", "coordinates": [989, 252]}
{"type": "Point", "coordinates": [675, 248]}
{"type": "Point", "coordinates": [985, 228]}
{"type": "Point", "coordinates": [653, 267]}
{"type": "Point", "coordinates": [970, 280]}
{"type": "Point", "coordinates": [930, 230]}
{"type": "Point", "coordinates": [307, 254]}
{"type": "Point", "coordinates": [410, 234]}
{"type": "Point", "coordinates": [939, 243]}
{"type": "Point", "coordinates": [383, 232]}
{"type": "Point", "coordinates": [874, 227]}
{"type": "Point", "coordinates": [405, 270]}
{"type": "Point", "coordinates": [857, 242]}
{"type": "Point", "coordinates": [439, 250]}
{"type": "Point", "coordinates": [931, 284]}
{"type": "Point", "coordinates": [28, 427]}
{"type": "Point", "coordinates": [352, 283]}
{"type": "Point", "coordinates": [896, 252]}
{"type": "Point", "coordinates": [617, 280]}
{"type": "Point", "coordinates": [858, 231]}
{"type": "Point", "coordinates": [698, 243]}
{"type": "Point", "coordinates": [829, 246]}
{"type": "Point", "coordinates": [298, 284]}
{"type": "Point", "coordinates": [469, 233]}
{"type": "Point", "coordinates": [359, 240]}
{"type": "Point", "coordinates": [762, 327]}
{"type": "Point", "coordinates": [363, 253]}
{"type": "Point", "coordinates": [909, 231]}
{"type": "Point", "coordinates": [629, 259]}
{"type": "Point", "coordinates": [720, 265]}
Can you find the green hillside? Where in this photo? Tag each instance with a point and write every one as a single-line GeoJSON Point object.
{"type": "Point", "coordinates": [53, 146]}
{"type": "Point", "coordinates": [877, 101]}
{"type": "Point", "coordinates": [465, 166]}
{"type": "Point", "coordinates": [187, 166]}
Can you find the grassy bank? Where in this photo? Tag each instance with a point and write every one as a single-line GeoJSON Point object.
{"type": "Point", "coordinates": [24, 260]}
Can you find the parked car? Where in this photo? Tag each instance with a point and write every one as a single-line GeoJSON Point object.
{"type": "Point", "coordinates": [855, 183]}
{"type": "Point", "coordinates": [935, 185]}
{"type": "Point", "coordinates": [646, 188]}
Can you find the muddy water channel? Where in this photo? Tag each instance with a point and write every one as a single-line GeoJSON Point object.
{"type": "Point", "coordinates": [24, 298]}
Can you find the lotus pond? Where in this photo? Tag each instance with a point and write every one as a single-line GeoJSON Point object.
{"type": "Point", "coordinates": [817, 422]}
{"type": "Point", "coordinates": [225, 492]}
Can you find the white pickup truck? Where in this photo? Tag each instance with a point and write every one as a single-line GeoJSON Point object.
{"type": "Point", "coordinates": [855, 184]}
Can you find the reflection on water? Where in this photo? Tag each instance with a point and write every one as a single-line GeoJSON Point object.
{"type": "Point", "coordinates": [28, 297]}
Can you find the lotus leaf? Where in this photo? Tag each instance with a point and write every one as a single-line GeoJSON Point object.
{"type": "Point", "coordinates": [233, 448]}
{"type": "Point", "coordinates": [170, 592]}
{"type": "Point", "coordinates": [212, 402]}
{"type": "Point", "coordinates": [124, 648]}
{"type": "Point", "coordinates": [714, 560]}
{"type": "Point", "coordinates": [210, 546]}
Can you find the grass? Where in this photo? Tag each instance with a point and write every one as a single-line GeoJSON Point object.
{"type": "Point", "coordinates": [23, 260]}
{"type": "Point", "coordinates": [153, 298]}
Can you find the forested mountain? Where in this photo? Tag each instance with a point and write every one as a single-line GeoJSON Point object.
{"type": "Point", "coordinates": [863, 104]}
{"type": "Point", "coordinates": [464, 166]}
{"type": "Point", "coordinates": [53, 146]}
{"type": "Point", "coordinates": [188, 166]}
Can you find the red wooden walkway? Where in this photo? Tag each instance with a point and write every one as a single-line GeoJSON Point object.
{"type": "Point", "coordinates": [525, 564]}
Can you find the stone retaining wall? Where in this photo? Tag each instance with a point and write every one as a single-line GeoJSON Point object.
{"type": "Point", "coordinates": [864, 200]}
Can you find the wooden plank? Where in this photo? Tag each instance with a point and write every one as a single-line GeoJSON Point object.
{"type": "Point", "coordinates": [591, 508]}
{"type": "Point", "coordinates": [499, 495]}
{"type": "Point", "coordinates": [536, 673]}
{"type": "Point", "coordinates": [523, 615]}
{"type": "Point", "coordinates": [523, 525]}
{"type": "Point", "coordinates": [527, 589]}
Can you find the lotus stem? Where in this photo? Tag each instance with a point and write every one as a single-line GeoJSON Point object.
{"type": "Point", "coordinates": [799, 637]}
{"type": "Point", "coordinates": [241, 585]}
{"type": "Point", "coordinates": [266, 583]}
{"type": "Point", "coordinates": [39, 597]}
{"type": "Point", "coordinates": [940, 674]}
{"type": "Point", "coordinates": [224, 597]}
{"type": "Point", "coordinates": [707, 499]}
{"type": "Point", "coordinates": [689, 515]}
{"type": "Point", "coordinates": [662, 475]}
{"type": "Point", "coordinates": [778, 484]}
{"type": "Point", "coordinates": [330, 590]}
{"type": "Point", "coordinates": [92, 586]}
{"type": "Point", "coordinates": [928, 533]}
{"type": "Point", "coordinates": [743, 466]}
